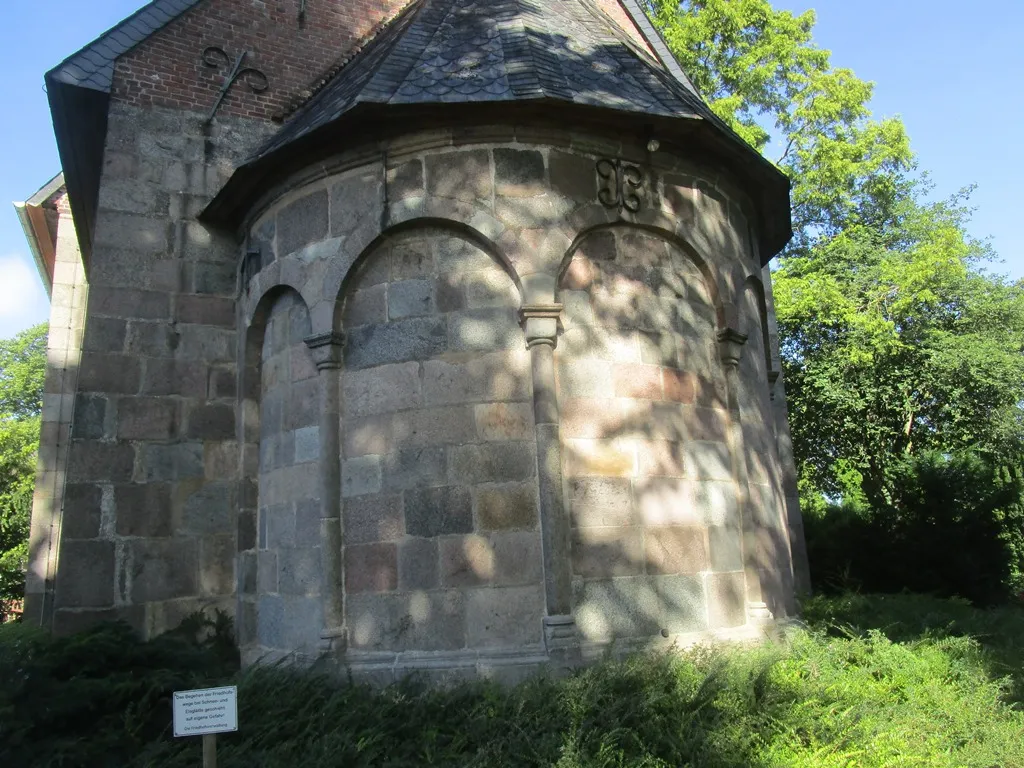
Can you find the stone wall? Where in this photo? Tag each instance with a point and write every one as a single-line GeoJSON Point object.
{"type": "Point", "coordinates": [606, 472]}
{"type": "Point", "coordinates": [148, 523]}
{"type": "Point", "coordinates": [442, 544]}
{"type": "Point", "coordinates": [656, 545]}
{"type": "Point", "coordinates": [288, 527]}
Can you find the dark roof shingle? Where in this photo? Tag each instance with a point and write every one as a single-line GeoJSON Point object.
{"type": "Point", "coordinates": [458, 51]}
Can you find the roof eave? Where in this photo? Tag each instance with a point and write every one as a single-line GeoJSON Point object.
{"type": "Point", "coordinates": [231, 206]}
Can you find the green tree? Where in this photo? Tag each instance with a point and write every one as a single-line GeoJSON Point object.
{"type": "Point", "coordinates": [761, 72]}
{"type": "Point", "coordinates": [22, 370]}
{"type": "Point", "coordinates": [895, 340]}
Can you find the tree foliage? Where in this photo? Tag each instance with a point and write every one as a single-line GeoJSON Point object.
{"type": "Point", "coordinates": [22, 369]}
{"type": "Point", "coordinates": [897, 342]}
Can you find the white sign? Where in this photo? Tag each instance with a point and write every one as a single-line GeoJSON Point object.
{"type": "Point", "coordinates": [208, 710]}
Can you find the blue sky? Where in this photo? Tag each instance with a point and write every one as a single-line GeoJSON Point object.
{"type": "Point", "coordinates": [952, 72]}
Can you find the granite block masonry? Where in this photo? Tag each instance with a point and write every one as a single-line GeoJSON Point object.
{"type": "Point", "coordinates": [433, 383]}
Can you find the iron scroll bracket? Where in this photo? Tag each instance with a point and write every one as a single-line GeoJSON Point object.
{"type": "Point", "coordinates": [217, 57]}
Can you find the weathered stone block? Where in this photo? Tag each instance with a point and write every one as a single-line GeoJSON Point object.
{"type": "Point", "coordinates": [146, 418]}
{"type": "Point", "coordinates": [709, 460]}
{"type": "Point", "coordinates": [506, 507]}
{"type": "Point", "coordinates": [422, 621]}
{"type": "Point", "coordinates": [418, 564]}
{"type": "Point", "coordinates": [405, 180]}
{"type": "Point", "coordinates": [410, 298]}
{"type": "Point", "coordinates": [718, 502]}
{"type": "Point", "coordinates": [163, 569]}
{"type": "Point", "coordinates": [355, 199]}
{"type": "Point", "coordinates": [495, 376]}
{"type": "Point", "coordinates": [209, 510]}
{"type": "Point", "coordinates": [81, 518]}
{"type": "Point", "coordinates": [206, 343]}
{"type": "Point", "coordinates": [172, 462]}
{"type": "Point", "coordinates": [598, 502]}
{"type": "Point", "coordinates": [585, 378]}
{"type": "Point", "coordinates": [412, 258]}
{"type": "Point", "coordinates": [143, 509]}
{"type": "Point", "coordinates": [307, 444]}
{"type": "Point", "coordinates": [86, 575]}
{"type": "Point", "coordinates": [504, 421]}
{"type": "Point", "coordinates": [492, 463]}
{"type": "Point", "coordinates": [466, 561]}
{"type": "Point", "coordinates": [604, 552]}
{"type": "Point", "coordinates": [601, 458]}
{"type": "Point", "coordinates": [618, 608]}
{"type": "Point", "coordinates": [438, 511]}
{"type": "Point", "coordinates": [298, 571]}
{"type": "Point", "coordinates": [152, 339]}
{"type": "Point", "coordinates": [93, 461]}
{"type": "Point", "coordinates": [414, 467]}
{"type": "Point", "coordinates": [216, 565]}
{"type": "Point", "coordinates": [680, 386]}
{"type": "Point", "coordinates": [667, 501]}
{"type": "Point", "coordinates": [661, 458]}
{"type": "Point", "coordinates": [137, 233]}
{"type": "Point", "coordinates": [371, 568]}
{"type": "Point", "coordinates": [215, 278]}
{"type": "Point", "coordinates": [90, 417]}
{"type": "Point", "coordinates": [118, 374]}
{"type": "Point", "coordinates": [504, 616]}
{"type": "Point", "coordinates": [519, 173]}
{"type": "Point", "coordinates": [464, 175]}
{"type": "Point", "coordinates": [266, 578]}
{"type": "Point", "coordinates": [489, 288]}
{"type": "Point", "coordinates": [174, 377]}
{"type": "Point", "coordinates": [277, 525]}
{"type": "Point", "coordinates": [484, 329]}
{"type": "Point", "coordinates": [725, 547]}
{"type": "Point", "coordinates": [573, 176]}
{"type": "Point", "coordinates": [370, 519]}
{"type": "Point", "coordinates": [676, 549]}
{"type": "Point", "coordinates": [360, 476]}
{"type": "Point", "coordinates": [726, 599]}
{"type": "Point", "coordinates": [517, 558]}
{"type": "Point", "coordinates": [104, 334]}
{"type": "Point", "coordinates": [412, 339]}
{"type": "Point", "coordinates": [302, 222]}
{"type": "Point", "coordinates": [641, 382]}
{"type": "Point", "coordinates": [683, 603]}
{"type": "Point", "coordinates": [289, 623]}
{"type": "Point", "coordinates": [367, 306]}
{"type": "Point", "coordinates": [381, 389]}
{"type": "Point", "coordinates": [206, 310]}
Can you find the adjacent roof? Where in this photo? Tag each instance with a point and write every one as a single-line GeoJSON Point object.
{"type": "Point", "coordinates": [460, 57]}
{"type": "Point", "coordinates": [93, 66]}
{"type": "Point", "coordinates": [78, 90]}
{"type": "Point", "coordinates": [459, 51]}
{"type": "Point", "coordinates": [38, 217]}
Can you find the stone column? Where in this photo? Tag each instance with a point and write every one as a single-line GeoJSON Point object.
{"type": "Point", "coordinates": [730, 348]}
{"type": "Point", "coordinates": [540, 321]}
{"type": "Point", "coordinates": [326, 349]}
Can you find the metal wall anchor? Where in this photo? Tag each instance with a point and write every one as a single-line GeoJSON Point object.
{"type": "Point", "coordinates": [218, 57]}
{"type": "Point", "coordinates": [620, 181]}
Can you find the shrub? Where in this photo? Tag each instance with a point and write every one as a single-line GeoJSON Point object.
{"type": "Point", "coordinates": [953, 529]}
{"type": "Point", "coordinates": [94, 698]}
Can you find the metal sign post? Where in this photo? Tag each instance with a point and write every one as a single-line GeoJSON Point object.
{"type": "Point", "coordinates": [206, 712]}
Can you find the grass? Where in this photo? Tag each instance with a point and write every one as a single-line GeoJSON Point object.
{"type": "Point", "coordinates": [891, 681]}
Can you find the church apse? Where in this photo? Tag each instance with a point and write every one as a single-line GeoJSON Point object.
{"type": "Point", "coordinates": [454, 364]}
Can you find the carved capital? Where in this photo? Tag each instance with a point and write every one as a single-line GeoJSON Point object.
{"type": "Point", "coordinates": [730, 346]}
{"type": "Point", "coordinates": [773, 376]}
{"type": "Point", "coordinates": [540, 323]}
{"type": "Point", "coordinates": [326, 349]}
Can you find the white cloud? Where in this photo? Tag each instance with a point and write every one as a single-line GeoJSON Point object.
{"type": "Point", "coordinates": [23, 301]}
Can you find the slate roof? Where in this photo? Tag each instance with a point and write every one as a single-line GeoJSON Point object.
{"type": "Point", "coordinates": [93, 66]}
{"type": "Point", "coordinates": [459, 51]}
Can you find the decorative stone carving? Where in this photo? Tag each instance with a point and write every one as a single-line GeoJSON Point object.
{"type": "Point", "coordinates": [326, 349]}
{"type": "Point", "coordinates": [618, 184]}
{"type": "Point", "coordinates": [730, 346]}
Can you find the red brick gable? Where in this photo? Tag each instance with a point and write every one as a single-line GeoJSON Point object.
{"type": "Point", "coordinates": [167, 70]}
